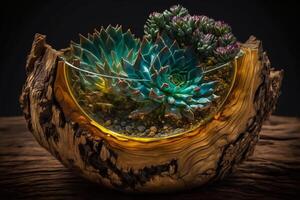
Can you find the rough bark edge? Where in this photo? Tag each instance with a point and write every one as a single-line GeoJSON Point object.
{"type": "Point", "coordinates": [93, 149]}
{"type": "Point", "coordinates": [265, 100]}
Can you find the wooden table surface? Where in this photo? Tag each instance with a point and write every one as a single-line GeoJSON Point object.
{"type": "Point", "coordinates": [27, 171]}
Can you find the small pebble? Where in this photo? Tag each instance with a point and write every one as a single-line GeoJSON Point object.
{"type": "Point", "coordinates": [141, 128]}
{"type": "Point", "coordinates": [151, 134]}
{"type": "Point", "coordinates": [128, 128]}
{"type": "Point", "coordinates": [153, 129]}
{"type": "Point", "coordinates": [123, 123]}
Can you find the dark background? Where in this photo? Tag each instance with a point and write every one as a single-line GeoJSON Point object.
{"type": "Point", "coordinates": [273, 22]}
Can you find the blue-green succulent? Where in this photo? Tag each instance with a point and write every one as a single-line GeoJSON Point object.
{"type": "Point", "coordinates": [103, 52]}
{"type": "Point", "coordinates": [174, 80]}
{"type": "Point", "coordinates": [156, 74]}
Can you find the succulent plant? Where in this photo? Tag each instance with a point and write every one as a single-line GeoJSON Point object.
{"type": "Point", "coordinates": [157, 75]}
{"type": "Point", "coordinates": [103, 53]}
{"type": "Point", "coordinates": [212, 40]}
{"type": "Point", "coordinates": [175, 80]}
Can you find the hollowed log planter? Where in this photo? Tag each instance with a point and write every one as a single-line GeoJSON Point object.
{"type": "Point", "coordinates": [185, 161]}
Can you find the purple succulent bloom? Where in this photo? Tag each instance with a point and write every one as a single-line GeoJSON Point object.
{"type": "Point", "coordinates": [226, 39]}
{"type": "Point", "coordinates": [221, 27]}
{"type": "Point", "coordinates": [176, 19]}
{"type": "Point", "coordinates": [227, 52]}
{"type": "Point", "coordinates": [155, 14]}
{"type": "Point", "coordinates": [208, 37]}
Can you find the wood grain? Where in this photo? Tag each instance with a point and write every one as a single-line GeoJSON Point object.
{"type": "Point", "coordinates": [27, 171]}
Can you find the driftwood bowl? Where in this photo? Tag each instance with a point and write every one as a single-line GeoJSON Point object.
{"type": "Point", "coordinates": [185, 161]}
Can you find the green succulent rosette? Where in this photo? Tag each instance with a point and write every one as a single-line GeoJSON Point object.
{"type": "Point", "coordinates": [156, 75]}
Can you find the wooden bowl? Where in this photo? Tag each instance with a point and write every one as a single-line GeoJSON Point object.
{"type": "Point", "coordinates": [195, 158]}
